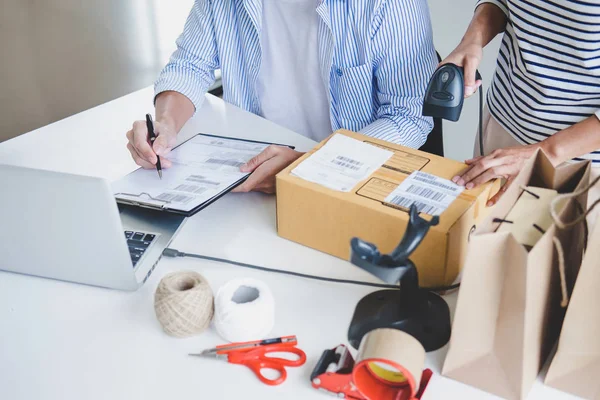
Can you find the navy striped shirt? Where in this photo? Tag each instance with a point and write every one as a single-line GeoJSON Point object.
{"type": "Point", "coordinates": [548, 70]}
{"type": "Point", "coordinates": [376, 58]}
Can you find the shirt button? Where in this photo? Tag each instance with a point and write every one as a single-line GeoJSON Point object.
{"type": "Point", "coordinates": [339, 72]}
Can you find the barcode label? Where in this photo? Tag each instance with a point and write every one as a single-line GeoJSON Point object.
{"type": "Point", "coordinates": [201, 179]}
{"type": "Point", "coordinates": [187, 188]}
{"type": "Point", "coordinates": [435, 181]}
{"type": "Point", "coordinates": [426, 192]}
{"type": "Point", "coordinates": [347, 162]}
{"type": "Point", "coordinates": [421, 207]}
{"type": "Point", "coordinates": [429, 193]}
{"type": "Point", "coordinates": [231, 163]}
{"type": "Point", "coordinates": [174, 198]}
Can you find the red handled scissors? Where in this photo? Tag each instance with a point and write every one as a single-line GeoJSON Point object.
{"type": "Point", "coordinates": [254, 355]}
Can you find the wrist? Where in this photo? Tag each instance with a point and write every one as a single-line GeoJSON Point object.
{"type": "Point", "coordinates": [552, 150]}
{"type": "Point", "coordinates": [167, 121]}
{"type": "Point", "coordinates": [473, 38]}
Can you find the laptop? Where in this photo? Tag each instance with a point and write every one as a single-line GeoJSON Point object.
{"type": "Point", "coordinates": [69, 227]}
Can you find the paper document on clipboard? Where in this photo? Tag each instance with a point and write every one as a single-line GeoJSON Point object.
{"type": "Point", "coordinates": [204, 168]}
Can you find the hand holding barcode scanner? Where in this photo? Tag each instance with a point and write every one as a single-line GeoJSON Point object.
{"type": "Point", "coordinates": [146, 154]}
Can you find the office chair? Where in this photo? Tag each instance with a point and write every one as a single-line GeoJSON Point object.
{"type": "Point", "coordinates": [435, 140]}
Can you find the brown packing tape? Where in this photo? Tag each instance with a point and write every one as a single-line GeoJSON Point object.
{"type": "Point", "coordinates": [389, 361]}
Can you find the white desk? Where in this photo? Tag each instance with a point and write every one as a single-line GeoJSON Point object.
{"type": "Point", "coordinates": [69, 342]}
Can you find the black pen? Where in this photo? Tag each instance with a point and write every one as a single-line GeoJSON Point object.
{"type": "Point", "coordinates": [152, 137]}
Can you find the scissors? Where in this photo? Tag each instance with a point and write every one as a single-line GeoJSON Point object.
{"type": "Point", "coordinates": [254, 356]}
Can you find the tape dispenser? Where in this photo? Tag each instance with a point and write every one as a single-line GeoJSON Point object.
{"type": "Point", "coordinates": [389, 366]}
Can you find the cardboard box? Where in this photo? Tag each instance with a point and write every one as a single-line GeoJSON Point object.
{"type": "Point", "coordinates": [326, 220]}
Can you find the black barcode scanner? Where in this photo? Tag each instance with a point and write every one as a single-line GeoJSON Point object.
{"type": "Point", "coordinates": [445, 95]}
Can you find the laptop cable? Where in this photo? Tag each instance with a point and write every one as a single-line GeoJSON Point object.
{"type": "Point", "coordinates": [173, 253]}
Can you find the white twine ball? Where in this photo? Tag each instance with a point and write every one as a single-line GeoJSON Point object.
{"type": "Point", "coordinates": [244, 310]}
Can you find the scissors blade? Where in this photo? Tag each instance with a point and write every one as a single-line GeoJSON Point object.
{"type": "Point", "coordinates": [210, 353]}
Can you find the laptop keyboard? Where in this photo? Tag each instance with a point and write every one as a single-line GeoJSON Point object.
{"type": "Point", "coordinates": [138, 243]}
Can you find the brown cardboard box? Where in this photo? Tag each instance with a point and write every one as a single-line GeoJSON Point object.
{"type": "Point", "coordinates": [327, 220]}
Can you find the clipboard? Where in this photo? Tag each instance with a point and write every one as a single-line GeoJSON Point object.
{"type": "Point", "coordinates": [205, 168]}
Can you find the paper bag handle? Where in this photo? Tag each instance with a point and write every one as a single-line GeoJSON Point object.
{"type": "Point", "coordinates": [561, 271]}
{"type": "Point", "coordinates": [562, 224]}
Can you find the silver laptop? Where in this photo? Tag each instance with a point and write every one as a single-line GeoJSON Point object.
{"type": "Point", "coordinates": [69, 227]}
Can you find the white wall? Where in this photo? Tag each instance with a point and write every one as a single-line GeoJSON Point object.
{"type": "Point", "coordinates": [59, 57]}
{"type": "Point", "coordinates": [450, 19]}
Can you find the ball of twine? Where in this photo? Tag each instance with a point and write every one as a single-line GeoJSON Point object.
{"type": "Point", "coordinates": [183, 303]}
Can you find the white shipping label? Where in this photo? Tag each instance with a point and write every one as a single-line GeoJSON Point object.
{"type": "Point", "coordinates": [431, 194]}
{"type": "Point", "coordinates": [342, 163]}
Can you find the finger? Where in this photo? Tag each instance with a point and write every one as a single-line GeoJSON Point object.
{"type": "Point", "coordinates": [139, 160]}
{"type": "Point", "coordinates": [140, 142]}
{"type": "Point", "coordinates": [501, 171]}
{"type": "Point", "coordinates": [266, 186]}
{"type": "Point", "coordinates": [470, 66]}
{"type": "Point", "coordinates": [259, 175]}
{"type": "Point", "coordinates": [162, 144]}
{"type": "Point", "coordinates": [260, 159]}
{"type": "Point", "coordinates": [165, 162]}
{"type": "Point", "coordinates": [491, 202]}
{"type": "Point", "coordinates": [477, 169]}
{"type": "Point", "coordinates": [473, 160]}
{"type": "Point", "coordinates": [457, 178]}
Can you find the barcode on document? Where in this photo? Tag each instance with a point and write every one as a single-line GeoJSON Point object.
{"type": "Point", "coordinates": [174, 198]}
{"type": "Point", "coordinates": [347, 162]}
{"type": "Point", "coordinates": [231, 163]}
{"type": "Point", "coordinates": [404, 202]}
{"type": "Point", "coordinates": [431, 180]}
{"type": "Point", "coordinates": [201, 179]}
{"type": "Point", "coordinates": [426, 193]}
{"type": "Point", "coordinates": [187, 188]}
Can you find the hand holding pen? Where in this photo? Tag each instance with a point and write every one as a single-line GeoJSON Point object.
{"type": "Point", "coordinates": [152, 139]}
{"type": "Point", "coordinates": [148, 153]}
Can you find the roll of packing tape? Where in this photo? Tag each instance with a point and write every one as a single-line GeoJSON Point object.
{"type": "Point", "coordinates": [244, 310]}
{"type": "Point", "coordinates": [183, 303]}
{"type": "Point", "coordinates": [389, 361]}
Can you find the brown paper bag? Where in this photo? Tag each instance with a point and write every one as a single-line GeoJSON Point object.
{"type": "Point", "coordinates": [576, 365]}
{"type": "Point", "coordinates": [509, 311]}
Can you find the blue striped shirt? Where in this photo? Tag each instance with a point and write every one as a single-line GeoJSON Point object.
{"type": "Point", "coordinates": [548, 70]}
{"type": "Point", "coordinates": [376, 57]}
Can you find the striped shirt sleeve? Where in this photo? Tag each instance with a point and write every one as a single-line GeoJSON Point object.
{"type": "Point", "coordinates": [405, 59]}
{"type": "Point", "coordinates": [191, 69]}
{"type": "Point", "coordinates": [598, 114]}
{"type": "Point", "coordinates": [501, 4]}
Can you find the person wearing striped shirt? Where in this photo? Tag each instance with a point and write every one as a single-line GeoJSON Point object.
{"type": "Point", "coordinates": [545, 92]}
{"type": "Point", "coordinates": [312, 66]}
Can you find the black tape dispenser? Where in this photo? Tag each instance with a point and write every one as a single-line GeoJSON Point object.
{"type": "Point", "coordinates": [445, 95]}
{"type": "Point", "coordinates": [416, 311]}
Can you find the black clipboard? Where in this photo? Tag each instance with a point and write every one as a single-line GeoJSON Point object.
{"type": "Point", "coordinates": [201, 206]}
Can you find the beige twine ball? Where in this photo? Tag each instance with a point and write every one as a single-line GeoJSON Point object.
{"type": "Point", "coordinates": [184, 304]}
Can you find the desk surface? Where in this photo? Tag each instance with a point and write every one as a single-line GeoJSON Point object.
{"type": "Point", "coordinates": [65, 341]}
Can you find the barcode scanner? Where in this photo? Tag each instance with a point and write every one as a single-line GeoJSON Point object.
{"type": "Point", "coordinates": [445, 95]}
{"type": "Point", "coordinates": [412, 309]}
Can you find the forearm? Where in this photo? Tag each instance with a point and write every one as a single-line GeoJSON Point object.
{"type": "Point", "coordinates": [489, 20]}
{"type": "Point", "coordinates": [575, 141]}
{"type": "Point", "coordinates": [173, 108]}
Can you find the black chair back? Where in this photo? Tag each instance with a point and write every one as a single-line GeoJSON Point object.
{"type": "Point", "coordinates": [435, 140]}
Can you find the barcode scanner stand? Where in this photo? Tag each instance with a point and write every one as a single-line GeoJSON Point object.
{"type": "Point", "coordinates": [416, 311]}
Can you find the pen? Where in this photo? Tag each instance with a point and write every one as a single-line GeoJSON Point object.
{"type": "Point", "coordinates": [152, 136]}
